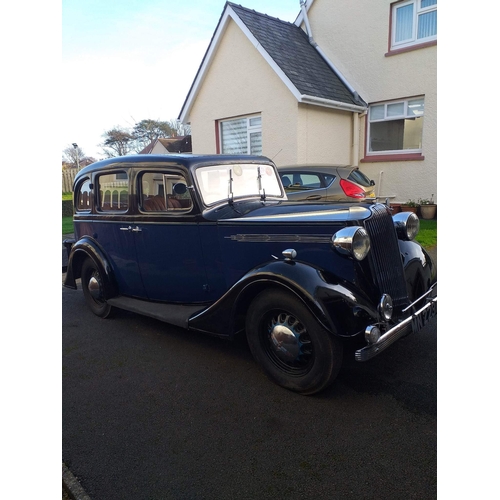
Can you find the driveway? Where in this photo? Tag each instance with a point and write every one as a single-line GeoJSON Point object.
{"type": "Point", "coordinates": [153, 412]}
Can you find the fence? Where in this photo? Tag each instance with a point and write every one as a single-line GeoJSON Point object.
{"type": "Point", "coordinates": [68, 176]}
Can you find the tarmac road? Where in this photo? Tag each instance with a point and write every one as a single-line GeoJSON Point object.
{"type": "Point", "coordinates": [153, 412]}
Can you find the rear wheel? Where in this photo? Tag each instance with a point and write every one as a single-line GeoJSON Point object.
{"type": "Point", "coordinates": [290, 345]}
{"type": "Point", "coordinates": [93, 289]}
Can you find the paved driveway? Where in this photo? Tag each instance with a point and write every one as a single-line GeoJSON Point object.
{"type": "Point", "coordinates": [153, 412]}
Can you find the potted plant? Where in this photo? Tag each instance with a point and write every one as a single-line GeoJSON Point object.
{"type": "Point", "coordinates": [396, 208]}
{"type": "Point", "coordinates": [427, 208]}
{"type": "Point", "coordinates": [409, 206]}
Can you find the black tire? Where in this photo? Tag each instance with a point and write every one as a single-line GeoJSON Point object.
{"type": "Point", "coordinates": [290, 345]}
{"type": "Point", "coordinates": [93, 287]}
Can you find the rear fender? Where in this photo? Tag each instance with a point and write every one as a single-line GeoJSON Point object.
{"type": "Point", "coordinates": [84, 248]}
{"type": "Point", "coordinates": [307, 283]}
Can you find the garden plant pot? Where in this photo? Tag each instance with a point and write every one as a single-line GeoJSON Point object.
{"type": "Point", "coordinates": [396, 208]}
{"type": "Point", "coordinates": [428, 211]}
{"type": "Point", "coordinates": [407, 208]}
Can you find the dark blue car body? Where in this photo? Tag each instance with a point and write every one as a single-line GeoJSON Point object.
{"type": "Point", "coordinates": [229, 242]}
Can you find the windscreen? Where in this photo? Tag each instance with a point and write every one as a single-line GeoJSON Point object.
{"type": "Point", "coordinates": [227, 182]}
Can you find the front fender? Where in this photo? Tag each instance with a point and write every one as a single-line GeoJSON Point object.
{"type": "Point", "coordinates": [82, 249]}
{"type": "Point", "coordinates": [322, 296]}
{"type": "Point", "coordinates": [420, 269]}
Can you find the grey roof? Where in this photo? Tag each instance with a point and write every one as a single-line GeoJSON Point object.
{"type": "Point", "coordinates": [288, 45]}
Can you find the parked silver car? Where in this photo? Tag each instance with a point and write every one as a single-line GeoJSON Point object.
{"type": "Point", "coordinates": [326, 183]}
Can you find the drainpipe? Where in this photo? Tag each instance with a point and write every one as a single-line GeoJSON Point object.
{"type": "Point", "coordinates": [355, 139]}
{"type": "Point", "coordinates": [306, 21]}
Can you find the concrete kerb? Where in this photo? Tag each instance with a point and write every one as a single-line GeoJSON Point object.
{"type": "Point", "coordinates": [71, 485]}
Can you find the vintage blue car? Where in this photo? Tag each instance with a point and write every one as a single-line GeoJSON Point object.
{"type": "Point", "coordinates": [211, 244]}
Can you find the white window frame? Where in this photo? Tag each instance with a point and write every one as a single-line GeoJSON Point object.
{"type": "Point", "coordinates": [406, 114]}
{"type": "Point", "coordinates": [418, 10]}
{"type": "Point", "coordinates": [251, 128]}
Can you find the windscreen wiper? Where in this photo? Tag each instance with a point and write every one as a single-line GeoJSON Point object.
{"type": "Point", "coordinates": [262, 191]}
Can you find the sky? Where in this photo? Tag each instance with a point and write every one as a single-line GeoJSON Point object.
{"type": "Point", "coordinates": [136, 59]}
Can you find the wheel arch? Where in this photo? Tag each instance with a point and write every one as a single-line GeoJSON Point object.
{"type": "Point", "coordinates": [299, 279]}
{"type": "Point", "coordinates": [88, 248]}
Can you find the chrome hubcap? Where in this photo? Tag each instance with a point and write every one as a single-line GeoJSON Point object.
{"type": "Point", "coordinates": [94, 288]}
{"type": "Point", "coordinates": [285, 335]}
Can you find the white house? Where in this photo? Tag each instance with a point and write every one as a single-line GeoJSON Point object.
{"type": "Point", "coordinates": [349, 82]}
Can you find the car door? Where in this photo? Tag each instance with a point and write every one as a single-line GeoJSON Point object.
{"type": "Point", "coordinates": [168, 243]}
{"type": "Point", "coordinates": [303, 186]}
{"type": "Point", "coordinates": [114, 231]}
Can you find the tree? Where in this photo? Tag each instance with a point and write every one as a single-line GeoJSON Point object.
{"type": "Point", "coordinates": [117, 142]}
{"type": "Point", "coordinates": [73, 157]}
{"type": "Point", "coordinates": [179, 129]}
{"type": "Point", "coordinates": [147, 131]}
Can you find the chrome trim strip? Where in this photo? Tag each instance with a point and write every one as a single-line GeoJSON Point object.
{"type": "Point", "coordinates": [280, 238]}
{"type": "Point", "coordinates": [412, 323]}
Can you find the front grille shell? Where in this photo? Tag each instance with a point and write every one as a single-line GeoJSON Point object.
{"type": "Point", "coordinates": [385, 257]}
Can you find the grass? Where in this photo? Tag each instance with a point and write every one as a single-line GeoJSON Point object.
{"type": "Point", "coordinates": [67, 225]}
{"type": "Point", "coordinates": [427, 236]}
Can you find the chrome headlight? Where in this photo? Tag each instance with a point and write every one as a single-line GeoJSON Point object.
{"type": "Point", "coordinates": [407, 225]}
{"type": "Point", "coordinates": [352, 241]}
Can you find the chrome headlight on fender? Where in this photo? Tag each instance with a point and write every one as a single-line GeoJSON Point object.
{"type": "Point", "coordinates": [352, 241]}
{"type": "Point", "coordinates": [407, 225]}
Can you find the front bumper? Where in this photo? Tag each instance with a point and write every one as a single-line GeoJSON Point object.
{"type": "Point", "coordinates": [413, 323]}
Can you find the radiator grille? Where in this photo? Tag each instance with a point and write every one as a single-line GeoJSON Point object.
{"type": "Point", "coordinates": [385, 257]}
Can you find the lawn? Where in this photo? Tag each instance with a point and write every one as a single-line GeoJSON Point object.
{"type": "Point", "coordinates": [427, 236]}
{"type": "Point", "coordinates": [67, 225]}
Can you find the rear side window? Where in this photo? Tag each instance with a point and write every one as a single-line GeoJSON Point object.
{"type": "Point", "coordinates": [329, 179]}
{"type": "Point", "coordinates": [83, 197]}
{"type": "Point", "coordinates": [113, 192]}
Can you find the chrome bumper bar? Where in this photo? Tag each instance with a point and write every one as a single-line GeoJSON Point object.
{"type": "Point", "coordinates": [412, 323]}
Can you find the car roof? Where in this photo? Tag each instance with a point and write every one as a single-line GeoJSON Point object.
{"type": "Point", "coordinates": [189, 161]}
{"type": "Point", "coordinates": [325, 169]}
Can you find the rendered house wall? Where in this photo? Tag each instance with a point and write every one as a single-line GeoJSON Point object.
{"type": "Point", "coordinates": [240, 82]}
{"type": "Point", "coordinates": [355, 36]}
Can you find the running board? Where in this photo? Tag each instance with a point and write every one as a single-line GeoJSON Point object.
{"type": "Point", "coordinates": [174, 314]}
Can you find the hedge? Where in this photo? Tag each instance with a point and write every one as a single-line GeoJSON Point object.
{"type": "Point", "coordinates": [67, 208]}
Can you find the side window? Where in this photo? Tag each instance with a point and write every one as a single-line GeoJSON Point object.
{"type": "Point", "coordinates": [300, 182]}
{"type": "Point", "coordinates": [83, 197]}
{"type": "Point", "coordinates": [113, 192]}
{"type": "Point", "coordinates": [164, 192]}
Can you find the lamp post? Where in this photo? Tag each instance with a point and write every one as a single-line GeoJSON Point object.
{"type": "Point", "coordinates": [75, 145]}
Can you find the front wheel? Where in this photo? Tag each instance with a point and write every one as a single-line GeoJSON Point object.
{"type": "Point", "coordinates": [93, 289]}
{"type": "Point", "coordinates": [290, 345]}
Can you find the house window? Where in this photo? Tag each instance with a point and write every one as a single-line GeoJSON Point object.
{"type": "Point", "coordinates": [396, 127]}
{"type": "Point", "coordinates": [413, 23]}
{"type": "Point", "coordinates": [241, 136]}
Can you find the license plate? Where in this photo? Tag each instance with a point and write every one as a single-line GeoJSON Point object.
{"type": "Point", "coordinates": [420, 320]}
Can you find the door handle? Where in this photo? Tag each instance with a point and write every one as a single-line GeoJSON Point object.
{"type": "Point", "coordinates": [129, 228]}
{"type": "Point", "coordinates": [314, 197]}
